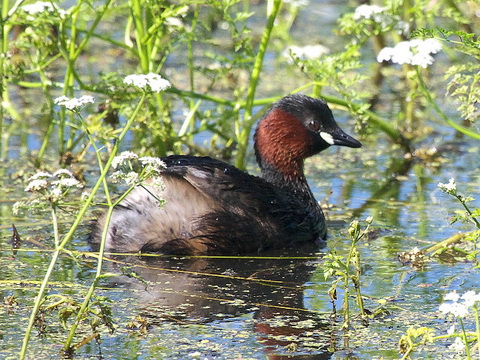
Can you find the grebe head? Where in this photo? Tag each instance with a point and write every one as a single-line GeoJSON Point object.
{"type": "Point", "coordinates": [295, 128]}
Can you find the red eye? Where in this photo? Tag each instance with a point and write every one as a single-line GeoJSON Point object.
{"type": "Point", "coordinates": [314, 125]}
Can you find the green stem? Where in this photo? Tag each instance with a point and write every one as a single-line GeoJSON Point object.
{"type": "Point", "coordinates": [257, 68]}
{"type": "Point", "coordinates": [71, 55]}
{"type": "Point", "coordinates": [68, 342]}
{"type": "Point", "coordinates": [428, 96]}
{"type": "Point", "coordinates": [467, 209]}
{"type": "Point", "coordinates": [346, 307]}
{"type": "Point", "coordinates": [98, 274]}
{"type": "Point", "coordinates": [477, 328]}
{"type": "Point", "coordinates": [69, 235]}
{"type": "Point", "coordinates": [136, 9]}
{"type": "Point", "coordinates": [5, 103]}
{"type": "Point", "coordinates": [55, 226]}
{"type": "Point", "coordinates": [45, 82]}
{"type": "Point", "coordinates": [465, 339]}
{"type": "Point", "coordinates": [3, 82]}
{"type": "Point", "coordinates": [445, 243]}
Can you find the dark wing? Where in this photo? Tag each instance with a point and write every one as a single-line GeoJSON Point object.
{"type": "Point", "coordinates": [210, 208]}
{"type": "Point", "coordinates": [252, 214]}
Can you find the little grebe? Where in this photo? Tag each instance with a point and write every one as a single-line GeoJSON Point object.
{"type": "Point", "coordinates": [213, 208]}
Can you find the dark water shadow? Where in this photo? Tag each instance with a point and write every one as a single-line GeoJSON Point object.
{"type": "Point", "coordinates": [208, 290]}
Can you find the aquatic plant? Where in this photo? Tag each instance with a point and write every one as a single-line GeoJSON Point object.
{"type": "Point", "coordinates": [347, 271]}
{"type": "Point", "coordinates": [39, 184]}
{"type": "Point", "coordinates": [467, 216]}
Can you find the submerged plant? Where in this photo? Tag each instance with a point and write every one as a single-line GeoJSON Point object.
{"type": "Point", "coordinates": [347, 271]}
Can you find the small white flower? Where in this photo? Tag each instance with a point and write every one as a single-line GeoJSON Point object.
{"type": "Point", "coordinates": [56, 193]}
{"type": "Point", "coordinates": [381, 16]}
{"type": "Point", "coordinates": [36, 185]}
{"type": "Point", "coordinates": [367, 11]}
{"type": "Point", "coordinates": [154, 81]}
{"type": "Point", "coordinates": [85, 194]}
{"type": "Point", "coordinates": [157, 83]}
{"type": "Point", "coordinates": [123, 157]}
{"type": "Point", "coordinates": [131, 178]}
{"type": "Point", "coordinates": [173, 22]}
{"type": "Point", "coordinates": [451, 330]}
{"type": "Point", "coordinates": [74, 103]}
{"type": "Point", "coordinates": [85, 99]}
{"type": "Point", "coordinates": [431, 45]}
{"type": "Point", "coordinates": [422, 59]}
{"type": "Point", "coordinates": [154, 162]}
{"type": "Point", "coordinates": [457, 345]}
{"type": "Point", "coordinates": [470, 298]}
{"type": "Point", "coordinates": [157, 183]}
{"type": "Point", "coordinates": [116, 176]}
{"type": "Point", "coordinates": [308, 52]}
{"type": "Point", "coordinates": [452, 296]}
{"type": "Point", "coordinates": [17, 206]}
{"type": "Point", "coordinates": [136, 80]}
{"type": "Point", "coordinates": [449, 188]}
{"type": "Point", "coordinates": [385, 54]}
{"type": "Point", "coordinates": [402, 27]}
{"type": "Point", "coordinates": [68, 183]}
{"type": "Point", "coordinates": [456, 309]}
{"type": "Point", "coordinates": [40, 175]}
{"type": "Point", "coordinates": [414, 52]}
{"type": "Point", "coordinates": [42, 6]}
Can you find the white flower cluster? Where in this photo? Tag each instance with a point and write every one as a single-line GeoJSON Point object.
{"type": "Point", "coordinates": [450, 188]}
{"type": "Point", "coordinates": [38, 181]}
{"type": "Point", "coordinates": [459, 306]}
{"type": "Point", "coordinates": [154, 81]}
{"type": "Point", "coordinates": [308, 52]}
{"type": "Point", "coordinates": [42, 6]}
{"type": "Point", "coordinates": [379, 15]}
{"type": "Point", "coordinates": [151, 168]}
{"type": "Point", "coordinates": [60, 180]}
{"type": "Point", "coordinates": [74, 103]}
{"type": "Point", "coordinates": [50, 187]}
{"type": "Point", "coordinates": [457, 345]}
{"type": "Point", "coordinates": [154, 162]}
{"type": "Point", "coordinates": [123, 158]}
{"type": "Point", "coordinates": [369, 12]}
{"type": "Point", "coordinates": [414, 52]}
